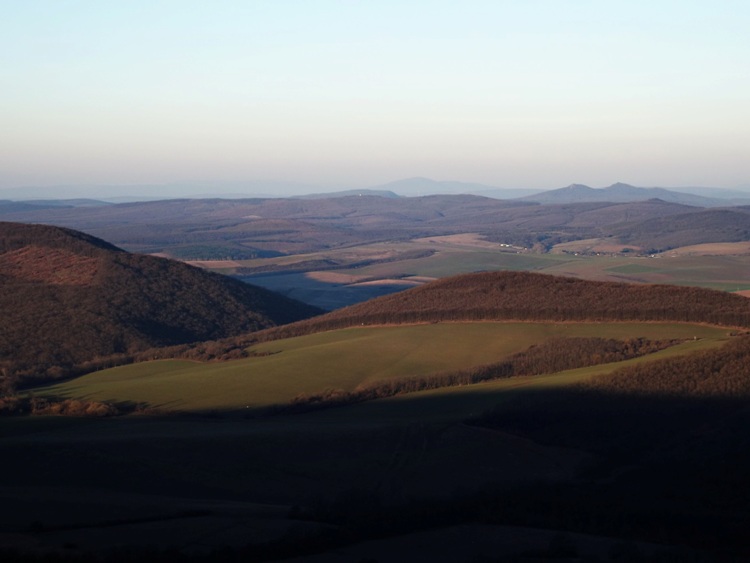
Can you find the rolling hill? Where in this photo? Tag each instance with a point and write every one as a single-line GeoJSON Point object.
{"type": "Point", "coordinates": [70, 301]}
{"type": "Point", "coordinates": [528, 296]}
{"type": "Point", "coordinates": [254, 228]}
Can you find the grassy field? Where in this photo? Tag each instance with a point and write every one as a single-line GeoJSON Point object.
{"type": "Point", "coordinates": [340, 360]}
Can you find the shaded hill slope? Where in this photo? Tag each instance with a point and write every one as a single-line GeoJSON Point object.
{"type": "Point", "coordinates": [684, 229]}
{"type": "Point", "coordinates": [68, 298]}
{"type": "Point", "coordinates": [535, 297]}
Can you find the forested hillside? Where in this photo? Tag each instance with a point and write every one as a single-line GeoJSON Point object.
{"type": "Point", "coordinates": [537, 297]}
{"type": "Point", "coordinates": [710, 225]}
{"type": "Point", "coordinates": [70, 300]}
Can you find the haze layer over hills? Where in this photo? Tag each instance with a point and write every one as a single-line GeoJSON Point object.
{"type": "Point", "coordinates": [407, 187]}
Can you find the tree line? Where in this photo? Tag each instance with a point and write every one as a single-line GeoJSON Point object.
{"type": "Point", "coordinates": [552, 356]}
{"type": "Point", "coordinates": [712, 373]}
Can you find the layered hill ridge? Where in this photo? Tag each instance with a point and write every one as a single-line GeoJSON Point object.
{"type": "Point", "coordinates": [69, 299]}
{"type": "Point", "coordinates": [216, 229]}
{"type": "Point", "coordinates": [528, 296]}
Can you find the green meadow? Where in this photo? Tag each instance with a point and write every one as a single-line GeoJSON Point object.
{"type": "Point", "coordinates": [279, 370]}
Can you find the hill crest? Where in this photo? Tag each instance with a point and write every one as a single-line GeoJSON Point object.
{"type": "Point", "coordinates": [528, 296]}
{"type": "Point", "coordinates": [55, 266]}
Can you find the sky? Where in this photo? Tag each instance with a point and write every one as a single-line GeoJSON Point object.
{"type": "Point", "coordinates": [346, 93]}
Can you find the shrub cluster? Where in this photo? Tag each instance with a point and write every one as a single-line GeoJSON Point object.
{"type": "Point", "coordinates": [18, 405]}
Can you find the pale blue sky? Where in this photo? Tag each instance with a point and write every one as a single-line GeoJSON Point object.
{"type": "Point", "coordinates": [526, 93]}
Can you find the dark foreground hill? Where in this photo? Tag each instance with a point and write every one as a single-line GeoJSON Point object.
{"type": "Point", "coordinates": [70, 300]}
{"type": "Point", "coordinates": [529, 296]}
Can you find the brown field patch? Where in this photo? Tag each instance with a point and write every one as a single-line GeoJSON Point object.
{"type": "Point", "coordinates": [712, 249]}
{"type": "Point", "coordinates": [474, 240]}
{"type": "Point", "coordinates": [420, 279]}
{"type": "Point", "coordinates": [592, 246]}
{"type": "Point", "coordinates": [214, 264]}
{"type": "Point", "coordinates": [389, 281]}
{"type": "Point", "coordinates": [53, 266]}
{"type": "Point", "coordinates": [335, 277]}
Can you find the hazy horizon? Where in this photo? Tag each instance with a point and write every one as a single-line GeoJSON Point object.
{"type": "Point", "coordinates": [415, 186]}
{"type": "Point", "coordinates": [336, 95]}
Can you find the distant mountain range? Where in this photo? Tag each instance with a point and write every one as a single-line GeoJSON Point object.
{"type": "Point", "coordinates": [415, 187]}
{"type": "Point", "coordinates": [76, 196]}
{"type": "Point", "coordinates": [622, 193]}
{"type": "Point", "coordinates": [349, 193]}
{"type": "Point", "coordinates": [575, 193]}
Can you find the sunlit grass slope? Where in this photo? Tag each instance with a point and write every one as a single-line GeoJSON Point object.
{"type": "Point", "coordinates": [343, 359]}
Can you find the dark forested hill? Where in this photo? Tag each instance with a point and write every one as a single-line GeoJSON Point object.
{"type": "Point", "coordinates": [537, 297]}
{"type": "Point", "coordinates": [68, 298]}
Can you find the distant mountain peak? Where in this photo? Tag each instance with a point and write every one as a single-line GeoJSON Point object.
{"type": "Point", "coordinates": [577, 187]}
{"type": "Point", "coordinates": [420, 186]}
{"type": "Point", "coordinates": [620, 187]}
{"type": "Point", "coordinates": [350, 193]}
{"type": "Point", "coordinates": [619, 192]}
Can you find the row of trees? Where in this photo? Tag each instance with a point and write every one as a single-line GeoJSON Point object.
{"type": "Point", "coordinates": [552, 356]}
{"type": "Point", "coordinates": [713, 373]}
{"type": "Point", "coordinates": [17, 405]}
